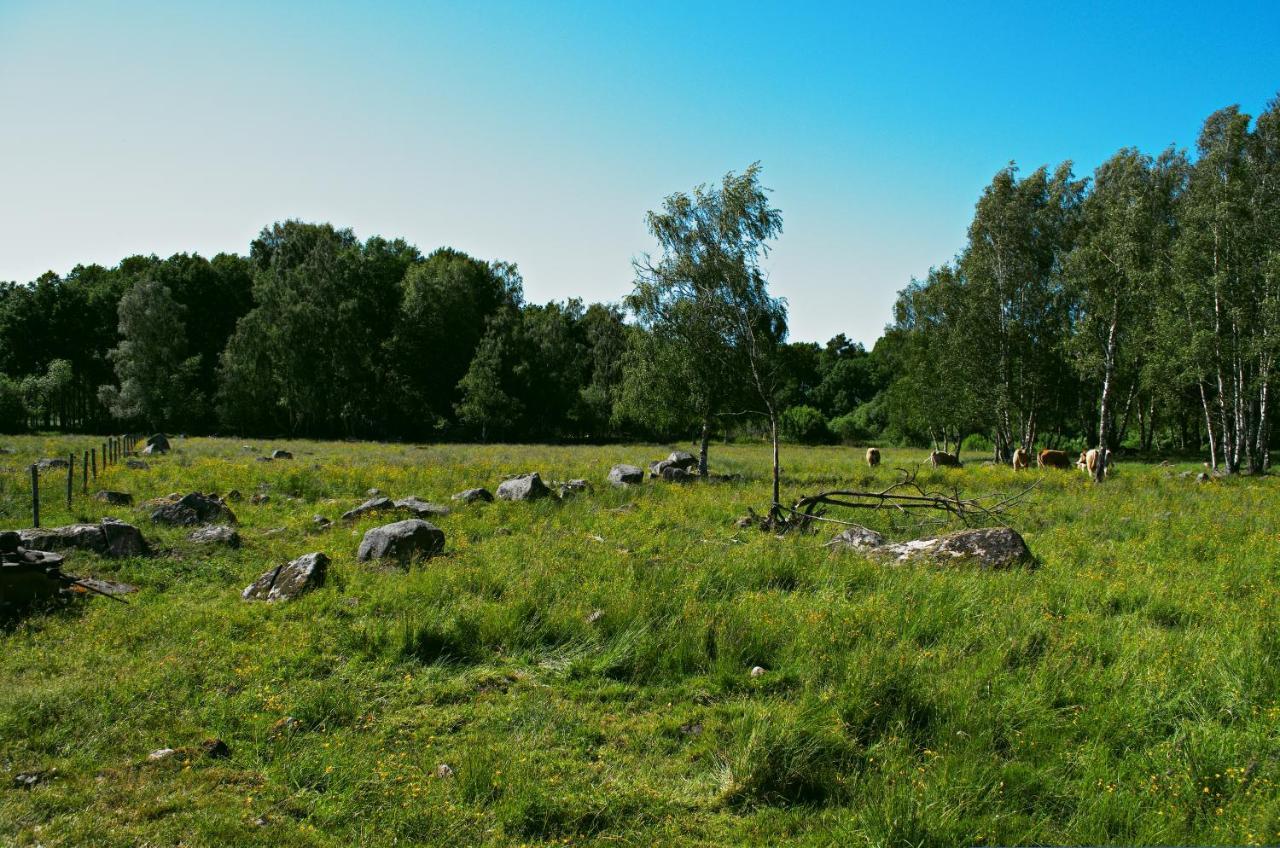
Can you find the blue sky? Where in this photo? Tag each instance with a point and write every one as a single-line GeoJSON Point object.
{"type": "Point", "coordinates": [540, 133]}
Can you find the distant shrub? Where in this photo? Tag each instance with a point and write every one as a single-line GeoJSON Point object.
{"type": "Point", "coordinates": [804, 424]}
{"type": "Point", "coordinates": [977, 443]}
{"type": "Point", "coordinates": [847, 430]}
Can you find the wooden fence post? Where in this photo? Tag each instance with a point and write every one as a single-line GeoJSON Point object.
{"type": "Point", "coordinates": [71, 475]}
{"type": "Point", "coordinates": [84, 462]}
{"type": "Point", "coordinates": [35, 496]}
{"type": "Point", "coordinates": [93, 452]}
{"type": "Point", "coordinates": [105, 462]}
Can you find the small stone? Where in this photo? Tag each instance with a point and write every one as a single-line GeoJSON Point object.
{"type": "Point", "coordinates": [234, 496]}
{"type": "Point", "coordinates": [526, 487]}
{"type": "Point", "coordinates": [625, 475]}
{"type": "Point", "coordinates": [373, 492]}
{"type": "Point", "coordinates": [421, 508]}
{"type": "Point", "coordinates": [320, 522]}
{"type": "Point", "coordinates": [216, 534]}
{"type": "Point", "coordinates": [281, 454]}
{"type": "Point", "coordinates": [215, 749]}
{"type": "Point", "coordinates": [573, 487]}
{"type": "Point", "coordinates": [194, 508]}
{"type": "Point", "coordinates": [444, 770]}
{"type": "Point", "coordinates": [857, 538]}
{"type": "Point", "coordinates": [289, 581]}
{"type": "Point", "coordinates": [259, 499]}
{"type": "Point", "coordinates": [473, 495]}
{"type": "Point", "coordinates": [757, 671]}
{"type": "Point", "coordinates": [594, 616]}
{"type": "Point", "coordinates": [401, 540]}
{"type": "Point", "coordinates": [375, 504]}
{"type": "Point", "coordinates": [161, 754]}
{"type": "Point", "coordinates": [136, 464]}
{"type": "Point", "coordinates": [28, 779]}
{"type": "Point", "coordinates": [114, 498]}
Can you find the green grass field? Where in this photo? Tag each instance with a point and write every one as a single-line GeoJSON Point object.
{"type": "Point", "coordinates": [1127, 691]}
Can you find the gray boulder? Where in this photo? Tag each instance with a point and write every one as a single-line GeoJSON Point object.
{"type": "Point", "coordinates": [110, 538]}
{"type": "Point", "coordinates": [370, 506]}
{"type": "Point", "coordinates": [675, 474]}
{"type": "Point", "coordinates": [473, 495]}
{"type": "Point", "coordinates": [573, 487]}
{"type": "Point", "coordinates": [857, 538]}
{"type": "Point", "coordinates": [421, 509]}
{"type": "Point", "coordinates": [288, 581]}
{"type": "Point", "coordinates": [55, 462]}
{"type": "Point", "coordinates": [524, 488]}
{"type": "Point", "coordinates": [281, 454]}
{"type": "Point", "coordinates": [114, 498]}
{"type": "Point", "coordinates": [625, 475]}
{"type": "Point", "coordinates": [994, 548]}
{"type": "Point", "coordinates": [194, 508]}
{"type": "Point", "coordinates": [683, 459]}
{"type": "Point", "coordinates": [216, 534]}
{"type": "Point", "coordinates": [402, 541]}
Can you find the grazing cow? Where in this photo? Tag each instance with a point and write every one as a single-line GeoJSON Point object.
{"type": "Point", "coordinates": [1054, 459]}
{"type": "Point", "coordinates": [873, 457]}
{"type": "Point", "coordinates": [1088, 462]}
{"type": "Point", "coordinates": [938, 458]}
{"type": "Point", "coordinates": [1021, 460]}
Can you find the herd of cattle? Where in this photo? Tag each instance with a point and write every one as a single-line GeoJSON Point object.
{"type": "Point", "coordinates": [1088, 460]}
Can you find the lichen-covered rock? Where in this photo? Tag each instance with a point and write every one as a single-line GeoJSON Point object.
{"type": "Point", "coordinates": [675, 474]}
{"type": "Point", "coordinates": [994, 548]}
{"type": "Point", "coordinates": [401, 540]}
{"type": "Point", "coordinates": [281, 454]}
{"type": "Point", "coordinates": [111, 538]}
{"type": "Point", "coordinates": [288, 581]}
{"type": "Point", "coordinates": [473, 495]}
{"type": "Point", "coordinates": [991, 547]}
{"type": "Point", "coordinates": [420, 508]}
{"type": "Point", "coordinates": [857, 538]}
{"type": "Point", "coordinates": [114, 498]}
{"type": "Point", "coordinates": [216, 534]}
{"type": "Point", "coordinates": [625, 475]}
{"type": "Point", "coordinates": [682, 459]}
{"type": "Point", "coordinates": [574, 487]}
{"type": "Point", "coordinates": [524, 488]}
{"type": "Point", "coordinates": [194, 508]}
{"type": "Point", "coordinates": [376, 504]}
{"type": "Point", "coordinates": [55, 462]}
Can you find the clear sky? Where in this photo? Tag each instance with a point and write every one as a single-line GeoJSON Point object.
{"type": "Point", "coordinates": [541, 132]}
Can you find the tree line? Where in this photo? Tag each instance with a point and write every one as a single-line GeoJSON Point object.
{"type": "Point", "coordinates": [1135, 308]}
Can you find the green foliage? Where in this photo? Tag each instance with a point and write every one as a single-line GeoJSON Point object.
{"type": "Point", "coordinates": [805, 425]}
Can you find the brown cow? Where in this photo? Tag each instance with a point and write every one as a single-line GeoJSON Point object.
{"type": "Point", "coordinates": [873, 457]}
{"type": "Point", "coordinates": [1088, 462]}
{"type": "Point", "coordinates": [938, 458]}
{"type": "Point", "coordinates": [1021, 460]}
{"type": "Point", "coordinates": [1054, 459]}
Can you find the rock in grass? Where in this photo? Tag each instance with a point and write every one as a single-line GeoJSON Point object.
{"type": "Point", "coordinates": [375, 504]}
{"type": "Point", "coordinates": [111, 538]}
{"type": "Point", "coordinates": [281, 454]}
{"type": "Point", "coordinates": [47, 464]}
{"type": "Point", "coordinates": [857, 538]}
{"type": "Point", "coordinates": [159, 443]}
{"type": "Point", "coordinates": [625, 475]}
{"type": "Point", "coordinates": [154, 450]}
{"type": "Point", "coordinates": [682, 459]}
{"type": "Point", "coordinates": [114, 498]}
{"type": "Point", "coordinates": [194, 508]}
{"type": "Point", "coordinates": [320, 522]}
{"type": "Point", "coordinates": [473, 495]}
{"type": "Point", "coordinates": [216, 534]}
{"type": "Point", "coordinates": [673, 474]}
{"type": "Point", "coordinates": [421, 508]}
{"type": "Point", "coordinates": [136, 464]}
{"type": "Point", "coordinates": [573, 487]}
{"type": "Point", "coordinates": [215, 749]}
{"type": "Point", "coordinates": [288, 581]}
{"type": "Point", "coordinates": [524, 488]}
{"type": "Point", "coordinates": [994, 548]}
{"type": "Point", "coordinates": [401, 540]}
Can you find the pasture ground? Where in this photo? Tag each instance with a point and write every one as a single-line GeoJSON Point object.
{"type": "Point", "coordinates": [1127, 691]}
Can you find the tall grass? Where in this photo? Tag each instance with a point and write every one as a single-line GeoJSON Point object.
{"type": "Point", "coordinates": [583, 667]}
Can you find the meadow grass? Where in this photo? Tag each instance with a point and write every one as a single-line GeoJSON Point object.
{"type": "Point", "coordinates": [1126, 691]}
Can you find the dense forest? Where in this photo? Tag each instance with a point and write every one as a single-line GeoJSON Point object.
{"type": "Point", "coordinates": [1137, 309]}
